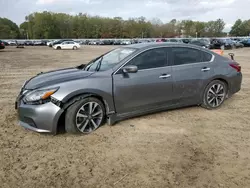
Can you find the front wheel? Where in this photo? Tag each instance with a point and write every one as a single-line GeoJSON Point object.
{"type": "Point", "coordinates": [214, 95]}
{"type": "Point", "coordinates": [84, 116]}
{"type": "Point", "coordinates": [74, 48]}
{"type": "Point", "coordinates": [58, 48]}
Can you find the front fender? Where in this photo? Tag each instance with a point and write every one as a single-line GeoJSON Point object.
{"type": "Point", "coordinates": [99, 87]}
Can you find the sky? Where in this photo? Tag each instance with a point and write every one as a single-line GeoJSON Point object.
{"type": "Point", "coordinates": [165, 10]}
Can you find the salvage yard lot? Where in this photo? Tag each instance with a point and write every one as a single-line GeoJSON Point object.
{"type": "Point", "coordinates": [190, 147]}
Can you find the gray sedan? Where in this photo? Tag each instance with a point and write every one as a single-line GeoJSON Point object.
{"type": "Point", "coordinates": [126, 82]}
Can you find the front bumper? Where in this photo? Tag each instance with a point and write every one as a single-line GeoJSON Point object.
{"type": "Point", "coordinates": [39, 118]}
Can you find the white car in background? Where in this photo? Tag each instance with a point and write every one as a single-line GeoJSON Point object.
{"type": "Point", "coordinates": [67, 45]}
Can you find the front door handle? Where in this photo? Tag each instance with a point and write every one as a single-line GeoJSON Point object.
{"type": "Point", "coordinates": [163, 76]}
{"type": "Point", "coordinates": [205, 69]}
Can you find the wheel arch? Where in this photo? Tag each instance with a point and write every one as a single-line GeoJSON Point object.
{"type": "Point", "coordinates": [221, 78]}
{"type": "Point", "coordinates": [76, 96]}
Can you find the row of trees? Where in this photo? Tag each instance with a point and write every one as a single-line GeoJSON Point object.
{"type": "Point", "coordinates": [60, 25]}
{"type": "Point", "coordinates": [8, 29]}
{"type": "Point", "coordinates": [48, 25]}
{"type": "Point", "coordinates": [241, 28]}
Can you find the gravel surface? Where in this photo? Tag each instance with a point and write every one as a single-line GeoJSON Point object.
{"type": "Point", "coordinates": [190, 147]}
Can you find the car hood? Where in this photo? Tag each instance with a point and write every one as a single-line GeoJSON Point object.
{"type": "Point", "coordinates": [55, 77]}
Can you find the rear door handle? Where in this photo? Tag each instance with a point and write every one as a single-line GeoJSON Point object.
{"type": "Point", "coordinates": [164, 76]}
{"type": "Point", "coordinates": [205, 69]}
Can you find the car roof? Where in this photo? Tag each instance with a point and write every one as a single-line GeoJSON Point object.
{"type": "Point", "coordinates": [159, 44]}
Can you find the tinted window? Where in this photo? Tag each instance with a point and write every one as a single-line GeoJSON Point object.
{"type": "Point", "coordinates": [150, 59]}
{"type": "Point", "coordinates": [196, 42]}
{"type": "Point", "coordinates": [206, 56]}
{"type": "Point", "coordinates": [183, 56]}
{"type": "Point", "coordinates": [173, 40]}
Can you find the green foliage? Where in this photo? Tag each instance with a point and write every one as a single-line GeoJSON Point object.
{"type": "Point", "coordinates": [240, 28]}
{"type": "Point", "coordinates": [8, 29]}
{"type": "Point", "coordinates": [49, 25]}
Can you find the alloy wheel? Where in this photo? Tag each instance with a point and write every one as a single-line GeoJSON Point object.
{"type": "Point", "coordinates": [216, 95]}
{"type": "Point", "coordinates": [89, 117]}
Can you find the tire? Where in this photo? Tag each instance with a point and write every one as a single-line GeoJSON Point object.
{"type": "Point", "coordinates": [58, 48]}
{"type": "Point", "coordinates": [219, 97]}
{"type": "Point", "coordinates": [77, 117]}
{"type": "Point", "coordinates": [74, 48]}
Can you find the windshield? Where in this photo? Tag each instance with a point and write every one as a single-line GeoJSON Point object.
{"type": "Point", "coordinates": [109, 60]}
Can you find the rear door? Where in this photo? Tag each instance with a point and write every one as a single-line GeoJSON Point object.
{"type": "Point", "coordinates": [190, 71]}
{"type": "Point", "coordinates": [149, 88]}
{"type": "Point", "coordinates": [70, 45]}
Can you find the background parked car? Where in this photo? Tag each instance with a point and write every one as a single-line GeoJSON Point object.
{"type": "Point", "coordinates": [117, 42]}
{"type": "Point", "coordinates": [2, 45]}
{"type": "Point", "coordinates": [50, 43]}
{"type": "Point", "coordinates": [5, 43]}
{"type": "Point", "coordinates": [161, 40]}
{"type": "Point", "coordinates": [67, 45]}
{"type": "Point", "coordinates": [59, 42]}
{"type": "Point", "coordinates": [201, 43]}
{"type": "Point", "coordinates": [246, 42]}
{"type": "Point", "coordinates": [125, 42]}
{"type": "Point", "coordinates": [237, 44]}
{"type": "Point", "coordinates": [175, 40]}
{"type": "Point", "coordinates": [186, 40]}
{"type": "Point", "coordinates": [222, 44]}
{"type": "Point", "coordinates": [28, 43]}
{"type": "Point", "coordinates": [12, 43]}
{"type": "Point", "coordinates": [38, 43]}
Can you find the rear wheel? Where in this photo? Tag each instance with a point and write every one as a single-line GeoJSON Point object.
{"type": "Point", "coordinates": [214, 95]}
{"type": "Point", "coordinates": [74, 48]}
{"type": "Point", "coordinates": [58, 48]}
{"type": "Point", "coordinates": [84, 116]}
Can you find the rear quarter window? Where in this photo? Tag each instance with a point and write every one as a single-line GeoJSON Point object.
{"type": "Point", "coordinates": [206, 56]}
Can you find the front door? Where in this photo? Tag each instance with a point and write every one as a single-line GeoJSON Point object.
{"type": "Point", "coordinates": [149, 88]}
{"type": "Point", "coordinates": [64, 45]}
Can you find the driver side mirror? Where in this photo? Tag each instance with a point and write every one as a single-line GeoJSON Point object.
{"type": "Point", "coordinates": [130, 69]}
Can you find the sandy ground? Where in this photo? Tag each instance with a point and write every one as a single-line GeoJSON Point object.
{"type": "Point", "coordinates": [190, 147]}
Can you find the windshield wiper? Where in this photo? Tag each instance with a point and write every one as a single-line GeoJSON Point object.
{"type": "Point", "coordinates": [99, 64]}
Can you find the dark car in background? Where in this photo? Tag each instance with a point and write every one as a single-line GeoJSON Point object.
{"type": "Point", "coordinates": [246, 42]}
{"type": "Point", "coordinates": [175, 40]}
{"type": "Point", "coordinates": [28, 43]}
{"type": "Point", "coordinates": [186, 41]}
{"type": "Point", "coordinates": [161, 40]}
{"type": "Point", "coordinates": [224, 44]}
{"type": "Point", "coordinates": [201, 42]}
{"type": "Point", "coordinates": [2, 45]}
{"type": "Point", "coordinates": [5, 43]}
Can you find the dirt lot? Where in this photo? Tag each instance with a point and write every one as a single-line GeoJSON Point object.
{"type": "Point", "coordinates": [190, 147]}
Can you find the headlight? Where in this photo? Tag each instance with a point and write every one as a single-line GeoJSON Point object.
{"type": "Point", "coordinates": [38, 95]}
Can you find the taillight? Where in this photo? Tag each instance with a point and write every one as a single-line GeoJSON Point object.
{"type": "Point", "coordinates": [2, 44]}
{"type": "Point", "coordinates": [237, 67]}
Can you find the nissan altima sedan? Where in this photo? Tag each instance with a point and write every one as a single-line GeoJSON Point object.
{"type": "Point", "coordinates": [128, 81]}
